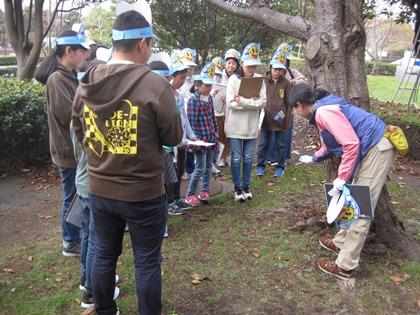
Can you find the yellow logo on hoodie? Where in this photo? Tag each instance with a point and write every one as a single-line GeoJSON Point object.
{"type": "Point", "coordinates": [119, 130]}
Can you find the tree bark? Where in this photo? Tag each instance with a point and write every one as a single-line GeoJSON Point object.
{"type": "Point", "coordinates": [334, 51]}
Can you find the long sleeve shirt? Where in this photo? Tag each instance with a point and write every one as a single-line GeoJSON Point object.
{"type": "Point", "coordinates": [202, 119]}
{"type": "Point", "coordinates": [242, 119]}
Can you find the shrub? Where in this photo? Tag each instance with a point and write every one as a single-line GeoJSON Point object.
{"type": "Point", "coordinates": [8, 72]}
{"type": "Point", "coordinates": [384, 68]}
{"type": "Point", "coordinates": [7, 60]}
{"type": "Point", "coordinates": [23, 119]}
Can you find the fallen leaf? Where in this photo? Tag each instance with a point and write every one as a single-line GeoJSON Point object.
{"type": "Point", "coordinates": [270, 191]}
{"type": "Point", "coordinates": [199, 277]}
{"type": "Point", "coordinates": [119, 263]}
{"type": "Point", "coordinates": [395, 202]}
{"type": "Point", "coordinates": [45, 216]}
{"type": "Point", "coordinates": [13, 290]}
{"type": "Point", "coordinates": [195, 281]}
{"type": "Point", "coordinates": [25, 170]}
{"type": "Point", "coordinates": [418, 303]}
{"type": "Point", "coordinates": [9, 270]}
{"type": "Point", "coordinates": [270, 184]}
{"type": "Point", "coordinates": [30, 258]}
{"type": "Point", "coordinates": [398, 280]}
{"type": "Point", "coordinates": [88, 311]}
{"type": "Point", "coordinates": [256, 255]}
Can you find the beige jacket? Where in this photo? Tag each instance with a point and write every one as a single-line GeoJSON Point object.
{"type": "Point", "coordinates": [242, 118]}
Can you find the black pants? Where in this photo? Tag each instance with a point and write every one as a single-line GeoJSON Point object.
{"type": "Point", "coordinates": [174, 191]}
{"type": "Point", "coordinates": [146, 221]}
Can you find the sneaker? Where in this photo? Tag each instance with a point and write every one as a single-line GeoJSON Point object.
{"type": "Point", "coordinates": [239, 196]}
{"type": "Point", "coordinates": [248, 195]}
{"type": "Point", "coordinates": [214, 170]}
{"type": "Point", "coordinates": [278, 172]}
{"type": "Point", "coordinates": [88, 302]}
{"type": "Point", "coordinates": [328, 244]}
{"type": "Point", "coordinates": [274, 163]}
{"type": "Point", "coordinates": [332, 269]}
{"type": "Point", "coordinates": [260, 170]}
{"type": "Point", "coordinates": [72, 250]}
{"type": "Point", "coordinates": [192, 200]}
{"type": "Point", "coordinates": [173, 209]}
{"type": "Point", "coordinates": [166, 233]}
{"type": "Point", "coordinates": [82, 283]}
{"type": "Point", "coordinates": [183, 205]}
{"type": "Point", "coordinates": [204, 196]}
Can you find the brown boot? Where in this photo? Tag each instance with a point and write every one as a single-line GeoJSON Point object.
{"type": "Point", "coordinates": [332, 269]}
{"type": "Point", "coordinates": [328, 244]}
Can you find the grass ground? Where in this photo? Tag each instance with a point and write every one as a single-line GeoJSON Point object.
{"type": "Point", "coordinates": [383, 88]}
{"type": "Point", "coordinates": [256, 259]}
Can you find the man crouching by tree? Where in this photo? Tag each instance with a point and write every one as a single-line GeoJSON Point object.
{"type": "Point", "coordinates": [125, 113]}
{"type": "Point", "coordinates": [366, 155]}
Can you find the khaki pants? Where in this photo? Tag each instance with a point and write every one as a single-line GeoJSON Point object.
{"type": "Point", "coordinates": [372, 171]}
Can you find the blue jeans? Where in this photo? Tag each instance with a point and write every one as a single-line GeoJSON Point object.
{"type": "Point", "coordinates": [190, 164]}
{"type": "Point", "coordinates": [242, 151]}
{"type": "Point", "coordinates": [266, 144]}
{"type": "Point", "coordinates": [70, 232]}
{"type": "Point", "coordinates": [288, 143]}
{"type": "Point", "coordinates": [146, 221]}
{"type": "Point", "coordinates": [88, 245]}
{"type": "Point", "coordinates": [203, 164]}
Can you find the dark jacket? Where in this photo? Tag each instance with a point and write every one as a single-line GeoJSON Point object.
{"type": "Point", "coordinates": [61, 88]}
{"type": "Point", "coordinates": [277, 100]}
{"type": "Point", "coordinates": [125, 113]}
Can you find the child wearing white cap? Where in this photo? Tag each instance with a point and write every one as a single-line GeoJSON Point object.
{"type": "Point", "coordinates": [241, 124]}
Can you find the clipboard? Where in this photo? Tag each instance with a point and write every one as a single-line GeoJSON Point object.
{"type": "Point", "coordinates": [74, 214]}
{"type": "Point", "coordinates": [362, 195]}
{"type": "Point", "coordinates": [218, 104]}
{"type": "Point", "coordinates": [250, 87]}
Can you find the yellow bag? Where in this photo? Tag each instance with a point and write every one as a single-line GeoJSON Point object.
{"type": "Point", "coordinates": [397, 138]}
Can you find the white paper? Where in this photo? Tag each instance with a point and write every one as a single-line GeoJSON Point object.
{"type": "Point", "coordinates": [200, 143]}
{"type": "Point", "coordinates": [219, 155]}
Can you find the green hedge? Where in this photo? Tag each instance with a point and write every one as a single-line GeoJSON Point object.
{"type": "Point", "coordinates": [23, 119]}
{"type": "Point", "coordinates": [384, 68]}
{"type": "Point", "coordinates": [7, 60]}
{"type": "Point", "coordinates": [8, 72]}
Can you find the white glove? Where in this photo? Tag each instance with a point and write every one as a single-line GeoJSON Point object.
{"type": "Point", "coordinates": [338, 184]}
{"type": "Point", "coordinates": [306, 159]}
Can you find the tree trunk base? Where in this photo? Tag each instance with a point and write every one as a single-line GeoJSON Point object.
{"type": "Point", "coordinates": [391, 232]}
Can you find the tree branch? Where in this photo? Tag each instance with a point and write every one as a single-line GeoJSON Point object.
{"type": "Point", "coordinates": [57, 5]}
{"type": "Point", "coordinates": [28, 29]}
{"type": "Point", "coordinates": [295, 26]}
{"type": "Point", "coordinates": [10, 22]}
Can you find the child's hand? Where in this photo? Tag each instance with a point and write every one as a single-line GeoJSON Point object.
{"type": "Point", "coordinates": [256, 98]}
{"type": "Point", "coordinates": [223, 98]}
{"type": "Point", "coordinates": [237, 98]}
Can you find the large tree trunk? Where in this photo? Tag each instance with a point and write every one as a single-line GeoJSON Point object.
{"type": "Point", "coordinates": [335, 51]}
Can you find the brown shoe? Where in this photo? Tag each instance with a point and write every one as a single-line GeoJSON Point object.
{"type": "Point", "coordinates": [328, 244]}
{"type": "Point", "coordinates": [332, 269]}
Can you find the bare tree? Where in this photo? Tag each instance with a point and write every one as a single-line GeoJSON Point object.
{"type": "Point", "coordinates": [26, 35]}
{"type": "Point", "coordinates": [378, 31]}
{"type": "Point", "coordinates": [335, 42]}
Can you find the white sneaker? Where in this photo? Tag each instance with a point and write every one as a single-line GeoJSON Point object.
{"type": "Point", "coordinates": [82, 287]}
{"type": "Point", "coordinates": [88, 305]}
{"type": "Point", "coordinates": [239, 196]}
{"type": "Point", "coordinates": [247, 195]}
{"type": "Point", "coordinates": [222, 163]}
{"type": "Point", "coordinates": [214, 170]}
